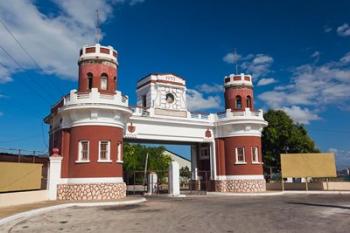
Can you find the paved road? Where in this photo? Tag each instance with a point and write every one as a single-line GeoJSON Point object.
{"type": "Point", "coordinates": [292, 213]}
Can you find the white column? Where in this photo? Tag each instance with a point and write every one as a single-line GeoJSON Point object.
{"type": "Point", "coordinates": [152, 184]}
{"type": "Point", "coordinates": [213, 160]}
{"type": "Point", "coordinates": [194, 158]}
{"type": "Point", "coordinates": [174, 179]}
{"type": "Point", "coordinates": [54, 175]}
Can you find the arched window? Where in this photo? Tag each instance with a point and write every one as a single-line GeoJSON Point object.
{"type": "Point", "coordinates": [104, 81]}
{"type": "Point", "coordinates": [89, 78]}
{"type": "Point", "coordinates": [249, 102]}
{"type": "Point", "coordinates": [238, 102]}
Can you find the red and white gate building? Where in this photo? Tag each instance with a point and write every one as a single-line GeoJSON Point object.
{"type": "Point", "coordinates": [89, 125]}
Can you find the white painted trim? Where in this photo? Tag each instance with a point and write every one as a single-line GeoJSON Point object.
{"type": "Point", "coordinates": [108, 152]}
{"type": "Point", "coordinates": [96, 180]}
{"type": "Point", "coordinates": [240, 163]}
{"type": "Point", "coordinates": [80, 148]}
{"type": "Point", "coordinates": [82, 161]}
{"type": "Point", "coordinates": [119, 151]}
{"type": "Point", "coordinates": [240, 177]}
{"type": "Point", "coordinates": [257, 151]}
{"type": "Point", "coordinates": [104, 161]}
{"type": "Point", "coordinates": [236, 156]}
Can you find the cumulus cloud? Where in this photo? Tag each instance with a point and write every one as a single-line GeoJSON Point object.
{"type": "Point", "coordinates": [266, 81]}
{"type": "Point", "coordinates": [231, 58]}
{"type": "Point", "coordinates": [53, 40]}
{"type": "Point", "coordinates": [343, 30]}
{"type": "Point", "coordinates": [301, 115]}
{"type": "Point", "coordinates": [258, 65]}
{"type": "Point", "coordinates": [312, 86]}
{"type": "Point", "coordinates": [196, 101]}
{"type": "Point", "coordinates": [210, 88]}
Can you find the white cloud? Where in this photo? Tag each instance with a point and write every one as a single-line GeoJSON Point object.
{"type": "Point", "coordinates": [314, 86]}
{"type": "Point", "coordinates": [301, 115]}
{"type": "Point", "coordinates": [53, 40]}
{"type": "Point", "coordinates": [4, 73]}
{"type": "Point", "coordinates": [231, 58]}
{"type": "Point", "coordinates": [257, 65]}
{"type": "Point", "coordinates": [327, 29]}
{"type": "Point", "coordinates": [315, 54]}
{"type": "Point", "coordinates": [344, 30]}
{"type": "Point", "coordinates": [345, 59]}
{"type": "Point", "coordinates": [196, 101]}
{"type": "Point", "coordinates": [266, 81]}
{"type": "Point", "coordinates": [210, 88]}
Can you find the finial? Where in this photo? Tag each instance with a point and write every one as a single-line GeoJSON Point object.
{"type": "Point", "coordinates": [98, 30]}
{"type": "Point", "coordinates": [235, 55]}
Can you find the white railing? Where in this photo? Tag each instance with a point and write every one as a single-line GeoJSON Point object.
{"type": "Point", "coordinates": [95, 97]}
{"type": "Point", "coordinates": [222, 116]}
{"type": "Point", "coordinates": [247, 113]}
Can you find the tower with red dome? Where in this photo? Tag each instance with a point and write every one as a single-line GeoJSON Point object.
{"type": "Point", "coordinates": [87, 127]}
{"type": "Point", "coordinates": [238, 139]}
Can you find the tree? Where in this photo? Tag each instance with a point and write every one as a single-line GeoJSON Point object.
{"type": "Point", "coordinates": [135, 158]}
{"type": "Point", "coordinates": [185, 172]}
{"type": "Point", "coordinates": [283, 136]}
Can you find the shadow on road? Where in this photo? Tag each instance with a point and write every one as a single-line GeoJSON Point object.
{"type": "Point", "coordinates": [320, 205]}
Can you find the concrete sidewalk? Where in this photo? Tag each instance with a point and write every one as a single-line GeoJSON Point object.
{"type": "Point", "coordinates": [12, 213]}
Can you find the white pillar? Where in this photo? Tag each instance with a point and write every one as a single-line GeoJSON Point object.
{"type": "Point", "coordinates": [174, 179]}
{"type": "Point", "coordinates": [54, 175]}
{"type": "Point", "coordinates": [152, 185]}
{"type": "Point", "coordinates": [213, 161]}
{"type": "Point", "coordinates": [194, 158]}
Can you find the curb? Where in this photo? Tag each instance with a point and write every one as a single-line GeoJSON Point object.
{"type": "Point", "coordinates": [34, 212]}
{"type": "Point", "coordinates": [277, 193]}
{"type": "Point", "coordinates": [244, 194]}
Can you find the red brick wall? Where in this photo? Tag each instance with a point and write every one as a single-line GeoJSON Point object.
{"type": "Point", "coordinates": [232, 92]}
{"type": "Point", "coordinates": [97, 70]}
{"type": "Point", "coordinates": [71, 169]}
{"type": "Point", "coordinates": [225, 156]}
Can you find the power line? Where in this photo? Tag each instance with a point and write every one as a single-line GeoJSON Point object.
{"type": "Point", "coordinates": [26, 52]}
{"type": "Point", "coordinates": [20, 66]}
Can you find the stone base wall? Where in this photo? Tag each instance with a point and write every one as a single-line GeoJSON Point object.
{"type": "Point", "coordinates": [240, 186]}
{"type": "Point", "coordinates": [102, 191]}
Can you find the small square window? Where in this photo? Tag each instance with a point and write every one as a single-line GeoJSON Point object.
{"type": "Point", "coordinates": [83, 151]}
{"type": "Point", "coordinates": [240, 155]}
{"type": "Point", "coordinates": [255, 155]}
{"type": "Point", "coordinates": [104, 151]}
{"type": "Point", "coordinates": [119, 152]}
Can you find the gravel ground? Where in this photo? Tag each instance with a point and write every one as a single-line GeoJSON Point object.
{"type": "Point", "coordinates": [287, 213]}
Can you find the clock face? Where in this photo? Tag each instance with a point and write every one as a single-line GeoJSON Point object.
{"type": "Point", "coordinates": [169, 98]}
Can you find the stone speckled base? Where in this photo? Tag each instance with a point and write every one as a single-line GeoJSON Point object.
{"type": "Point", "coordinates": [103, 191]}
{"type": "Point", "coordinates": [240, 186]}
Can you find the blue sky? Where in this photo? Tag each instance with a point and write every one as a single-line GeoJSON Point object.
{"type": "Point", "coordinates": [297, 51]}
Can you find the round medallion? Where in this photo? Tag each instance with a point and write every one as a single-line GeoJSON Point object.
{"type": "Point", "coordinates": [169, 98]}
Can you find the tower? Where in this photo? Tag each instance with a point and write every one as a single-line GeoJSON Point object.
{"type": "Point", "coordinates": [239, 92]}
{"type": "Point", "coordinates": [98, 69]}
{"type": "Point", "coordinates": [238, 139]}
{"type": "Point", "coordinates": [87, 127]}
